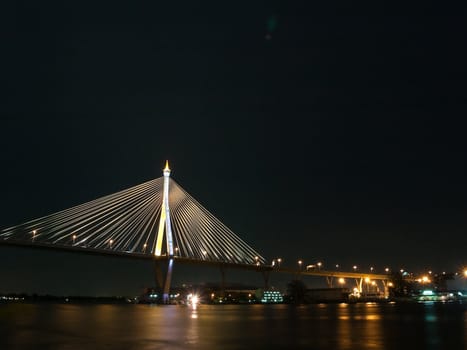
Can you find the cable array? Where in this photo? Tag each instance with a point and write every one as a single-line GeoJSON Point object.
{"type": "Point", "coordinates": [127, 222]}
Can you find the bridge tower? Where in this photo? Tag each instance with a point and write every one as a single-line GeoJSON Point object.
{"type": "Point", "coordinates": [165, 229]}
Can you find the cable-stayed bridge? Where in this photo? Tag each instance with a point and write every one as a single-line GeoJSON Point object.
{"type": "Point", "coordinates": [155, 220]}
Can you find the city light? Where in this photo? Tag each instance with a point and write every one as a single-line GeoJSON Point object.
{"type": "Point", "coordinates": [465, 272]}
{"type": "Point", "coordinates": [192, 300]}
{"type": "Point", "coordinates": [425, 279]}
{"type": "Point", "coordinates": [341, 280]}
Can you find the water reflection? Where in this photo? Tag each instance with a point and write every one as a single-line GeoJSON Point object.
{"type": "Point", "coordinates": [324, 326]}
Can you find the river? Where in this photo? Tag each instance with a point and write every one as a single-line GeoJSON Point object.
{"type": "Point", "coordinates": [319, 326]}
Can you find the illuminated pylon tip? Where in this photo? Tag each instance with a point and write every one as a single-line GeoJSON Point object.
{"type": "Point", "coordinates": [166, 166]}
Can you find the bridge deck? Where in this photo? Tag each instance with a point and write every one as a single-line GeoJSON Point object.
{"type": "Point", "coordinates": [337, 274]}
{"type": "Point", "coordinates": [183, 260]}
{"type": "Point", "coordinates": [132, 255]}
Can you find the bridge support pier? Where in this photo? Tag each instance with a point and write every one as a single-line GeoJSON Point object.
{"type": "Point", "coordinates": [163, 271]}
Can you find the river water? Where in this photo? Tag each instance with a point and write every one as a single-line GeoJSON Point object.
{"type": "Point", "coordinates": [318, 326]}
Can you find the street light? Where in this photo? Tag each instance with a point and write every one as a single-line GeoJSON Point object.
{"type": "Point", "coordinates": [319, 265]}
{"type": "Point", "coordinates": [371, 269]}
{"type": "Point", "coordinates": [279, 260]}
{"type": "Point", "coordinates": [465, 272]}
{"type": "Point", "coordinates": [33, 234]}
{"type": "Point", "coordinates": [386, 269]}
{"type": "Point", "coordinates": [355, 267]}
{"type": "Point", "coordinates": [110, 243]}
{"type": "Point", "coordinates": [337, 266]}
{"type": "Point", "coordinates": [300, 264]}
{"type": "Point", "coordinates": [74, 238]}
{"type": "Point", "coordinates": [341, 281]}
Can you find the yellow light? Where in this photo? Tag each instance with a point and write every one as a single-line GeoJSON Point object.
{"type": "Point", "coordinates": [465, 272]}
{"type": "Point", "coordinates": [367, 280]}
{"type": "Point", "coordinates": [166, 166]}
{"type": "Point", "coordinates": [425, 279]}
{"type": "Point", "coordinates": [341, 280]}
{"type": "Point", "coordinates": [390, 284]}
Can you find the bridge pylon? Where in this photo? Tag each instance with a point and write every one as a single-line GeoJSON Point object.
{"type": "Point", "coordinates": [165, 231]}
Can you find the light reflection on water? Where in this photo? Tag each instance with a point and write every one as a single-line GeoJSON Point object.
{"type": "Point", "coordinates": [322, 326]}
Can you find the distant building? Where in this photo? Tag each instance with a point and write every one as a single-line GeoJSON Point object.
{"type": "Point", "coordinates": [272, 297]}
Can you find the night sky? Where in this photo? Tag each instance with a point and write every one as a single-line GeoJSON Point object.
{"type": "Point", "coordinates": [322, 131]}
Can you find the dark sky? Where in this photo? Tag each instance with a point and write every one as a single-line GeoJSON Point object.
{"type": "Point", "coordinates": [316, 130]}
